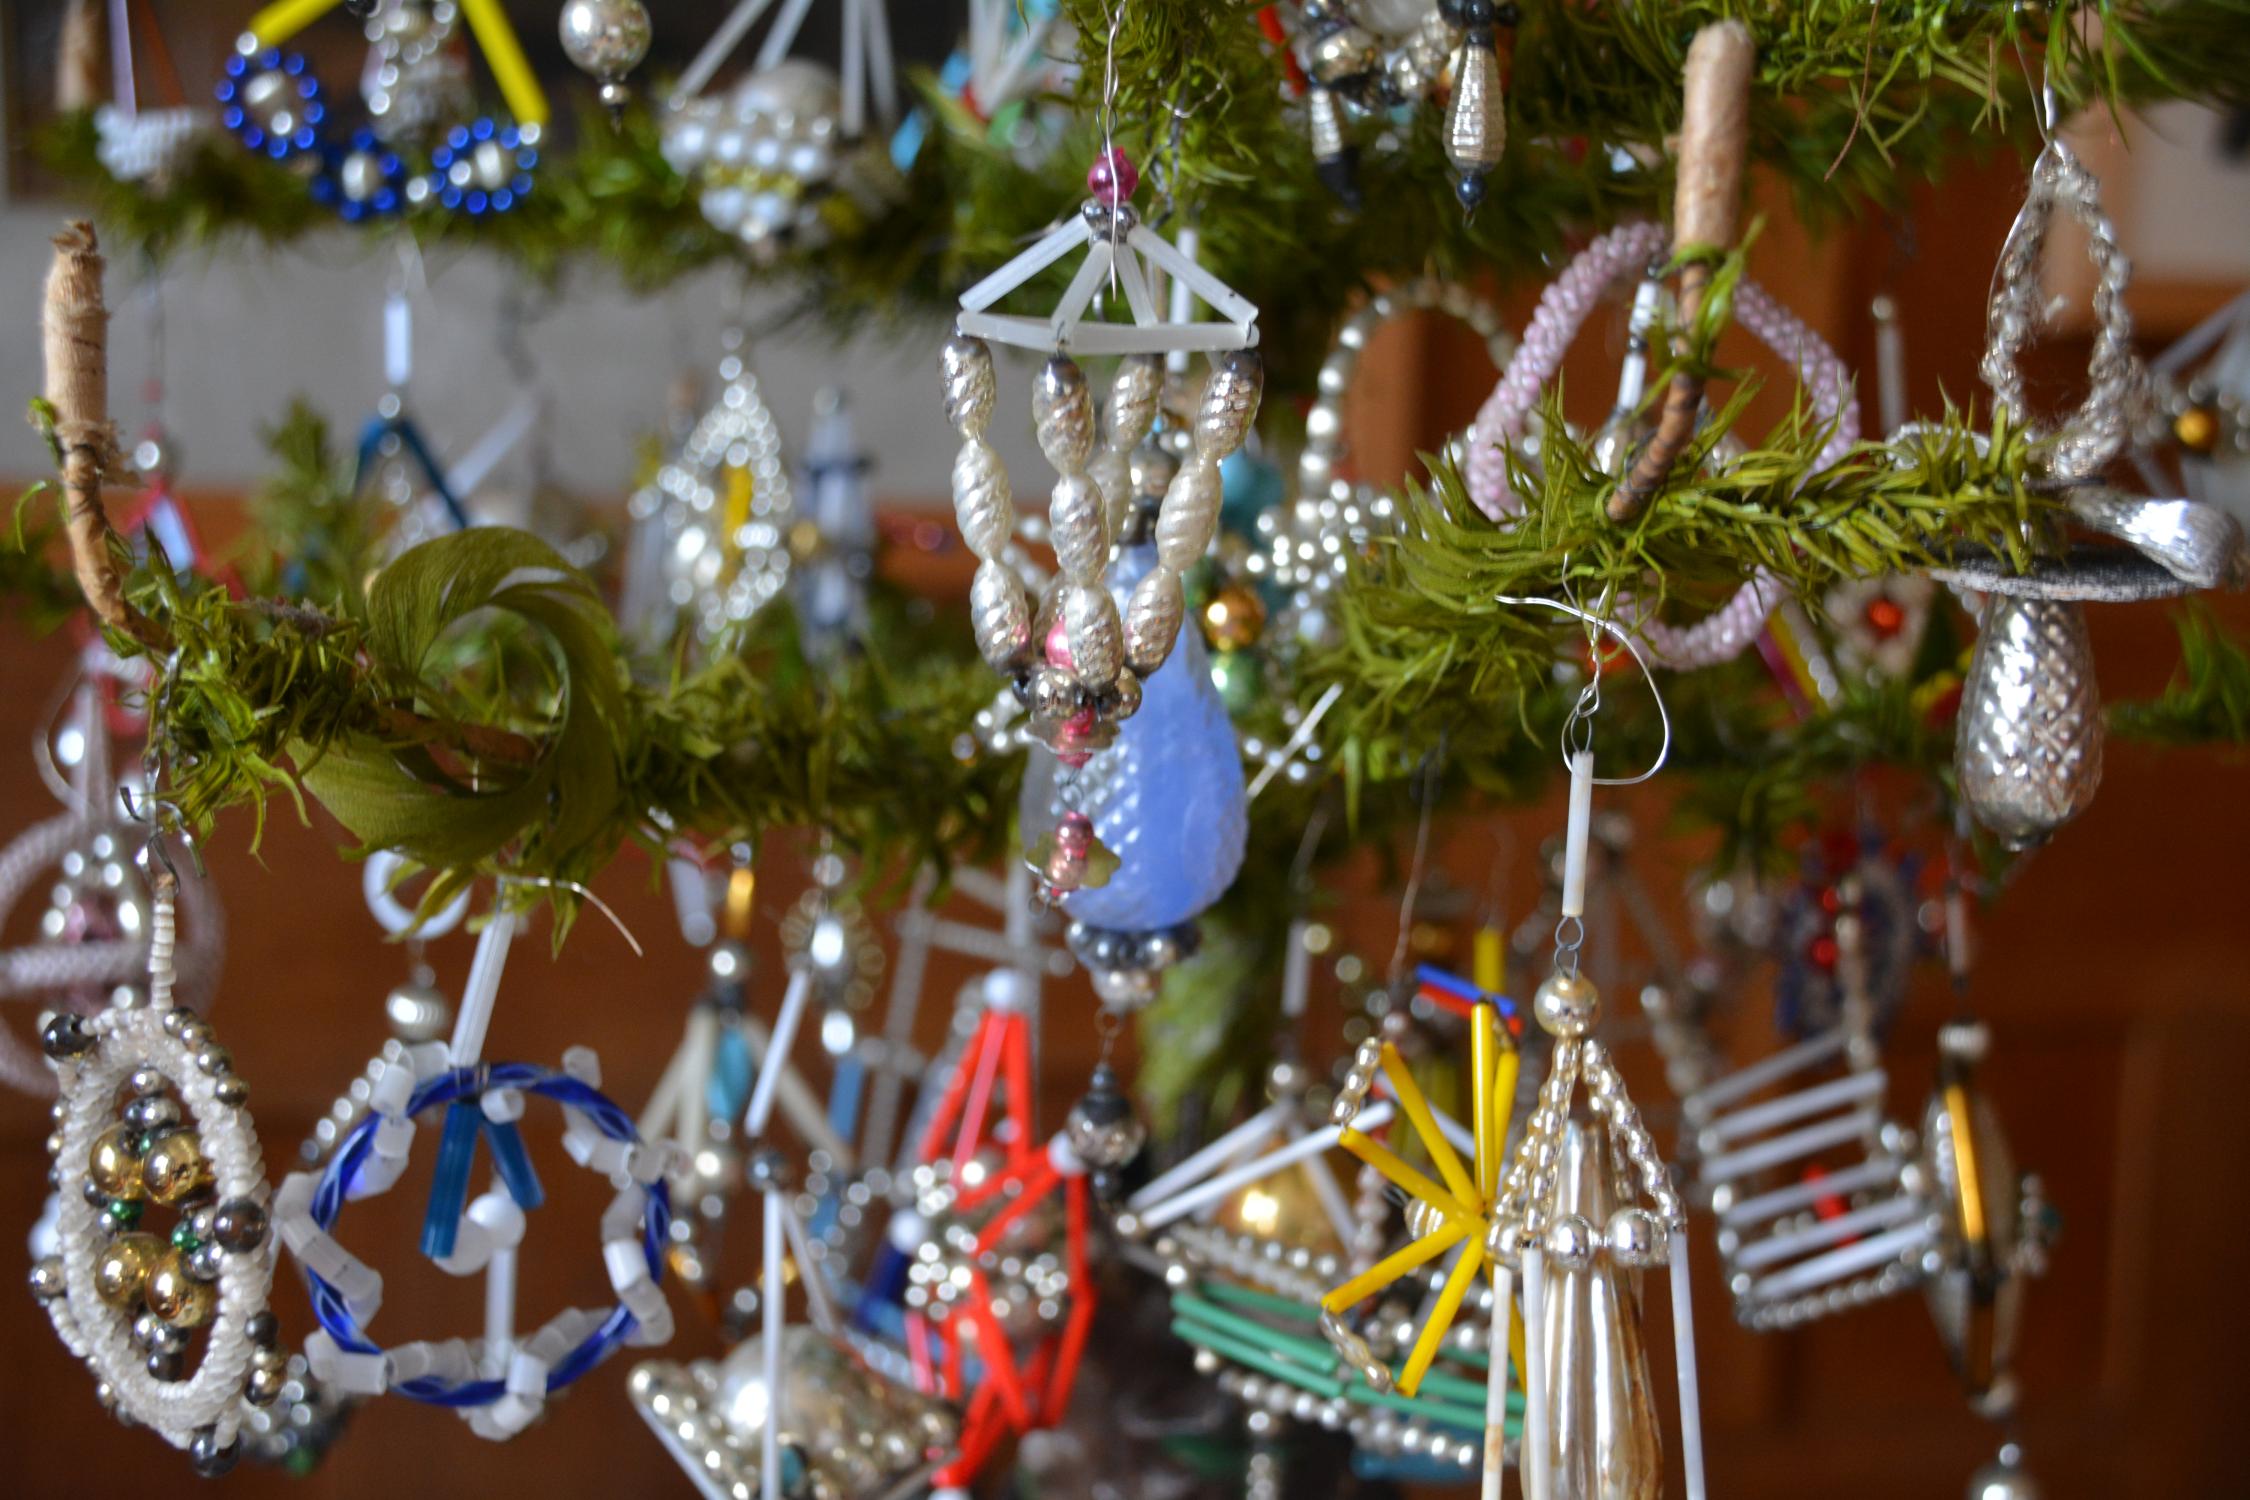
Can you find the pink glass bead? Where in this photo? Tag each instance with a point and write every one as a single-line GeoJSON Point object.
{"type": "Point", "coordinates": [1074, 835]}
{"type": "Point", "coordinates": [1113, 178]}
{"type": "Point", "coordinates": [1058, 646]}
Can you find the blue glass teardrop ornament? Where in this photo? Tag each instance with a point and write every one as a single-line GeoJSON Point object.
{"type": "Point", "coordinates": [1168, 796]}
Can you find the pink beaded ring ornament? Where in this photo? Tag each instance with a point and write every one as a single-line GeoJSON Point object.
{"type": "Point", "coordinates": [1506, 417]}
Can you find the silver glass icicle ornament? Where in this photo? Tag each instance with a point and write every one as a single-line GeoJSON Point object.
{"type": "Point", "coordinates": [608, 39]}
{"type": "Point", "coordinates": [1476, 122]}
{"type": "Point", "coordinates": [2028, 748]}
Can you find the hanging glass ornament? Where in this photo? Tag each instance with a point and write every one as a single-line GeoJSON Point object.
{"type": "Point", "coordinates": [710, 543]}
{"type": "Point", "coordinates": [2028, 744]}
{"type": "Point", "coordinates": [608, 39]}
{"type": "Point", "coordinates": [127, 1301]}
{"type": "Point", "coordinates": [1476, 117]}
{"type": "Point", "coordinates": [414, 77]}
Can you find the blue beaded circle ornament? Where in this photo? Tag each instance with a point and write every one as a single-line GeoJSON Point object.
{"type": "Point", "coordinates": [361, 179]}
{"type": "Point", "coordinates": [498, 1383]}
{"type": "Point", "coordinates": [482, 167]}
{"type": "Point", "coordinates": [272, 103]}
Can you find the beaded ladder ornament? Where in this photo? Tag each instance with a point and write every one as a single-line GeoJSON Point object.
{"type": "Point", "coordinates": [501, 1382]}
{"type": "Point", "coordinates": [786, 153]}
{"type": "Point", "coordinates": [123, 1300]}
{"type": "Point", "coordinates": [273, 103]}
{"type": "Point", "coordinates": [1818, 1203]}
{"type": "Point", "coordinates": [1510, 413]}
{"type": "Point", "coordinates": [1075, 663]}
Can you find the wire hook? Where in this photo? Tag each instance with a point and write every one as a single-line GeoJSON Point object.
{"type": "Point", "coordinates": [1578, 728]}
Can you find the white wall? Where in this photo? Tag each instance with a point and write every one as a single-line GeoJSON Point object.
{"type": "Point", "coordinates": [247, 331]}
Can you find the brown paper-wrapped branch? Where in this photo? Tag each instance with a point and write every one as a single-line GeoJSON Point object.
{"type": "Point", "coordinates": [75, 329]}
{"type": "Point", "coordinates": [1706, 211]}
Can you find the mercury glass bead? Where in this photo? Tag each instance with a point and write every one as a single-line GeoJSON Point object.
{"type": "Point", "coordinates": [265, 1329]}
{"type": "Point", "coordinates": [214, 1059]}
{"type": "Point", "coordinates": [210, 1457]}
{"type": "Point", "coordinates": [264, 1384]}
{"type": "Point", "coordinates": [232, 1091]}
{"type": "Point", "coordinates": [1062, 414]}
{"type": "Point", "coordinates": [1152, 620]}
{"type": "Point", "coordinates": [970, 385]}
{"type": "Point", "coordinates": [1112, 474]}
{"type": "Point", "coordinates": [1054, 694]}
{"type": "Point", "coordinates": [177, 1296]}
{"type": "Point", "coordinates": [1127, 691]}
{"type": "Point", "coordinates": [1097, 643]}
{"type": "Point", "coordinates": [418, 1012]}
{"type": "Point", "coordinates": [1635, 1238]}
{"type": "Point", "coordinates": [144, 1081]}
{"type": "Point", "coordinates": [1342, 55]}
{"type": "Point", "coordinates": [165, 1365]}
{"type": "Point", "coordinates": [1000, 613]}
{"type": "Point", "coordinates": [1230, 403]}
{"type": "Point", "coordinates": [1077, 528]}
{"type": "Point", "coordinates": [1566, 1004]}
{"type": "Point", "coordinates": [176, 1167]}
{"type": "Point", "coordinates": [1135, 391]}
{"type": "Point", "coordinates": [1476, 121]}
{"type": "Point", "coordinates": [112, 1165]}
{"type": "Point", "coordinates": [47, 1282]}
{"type": "Point", "coordinates": [152, 1112]}
{"type": "Point", "coordinates": [2028, 746]}
{"type": "Point", "coordinates": [66, 1036]}
{"type": "Point", "coordinates": [983, 505]}
{"type": "Point", "coordinates": [1190, 515]}
{"type": "Point", "coordinates": [122, 1270]}
{"type": "Point", "coordinates": [605, 38]}
{"type": "Point", "coordinates": [206, 1260]}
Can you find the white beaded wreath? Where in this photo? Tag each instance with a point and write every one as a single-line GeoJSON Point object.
{"type": "Point", "coordinates": [123, 1040]}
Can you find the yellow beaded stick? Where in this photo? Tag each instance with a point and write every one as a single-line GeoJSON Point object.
{"type": "Point", "coordinates": [1448, 1213]}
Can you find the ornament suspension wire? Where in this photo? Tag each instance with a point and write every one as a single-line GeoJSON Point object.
{"type": "Point", "coordinates": [1432, 766]}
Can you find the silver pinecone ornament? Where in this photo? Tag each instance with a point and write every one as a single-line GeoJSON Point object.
{"type": "Point", "coordinates": [2028, 748]}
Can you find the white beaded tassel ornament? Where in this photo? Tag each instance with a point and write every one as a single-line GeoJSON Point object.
{"type": "Point", "coordinates": [123, 1299]}
{"type": "Point", "coordinates": [1528, 1227]}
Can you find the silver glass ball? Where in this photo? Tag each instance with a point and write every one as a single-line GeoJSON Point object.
{"type": "Point", "coordinates": [1635, 1238]}
{"type": "Point", "coordinates": [605, 38]}
{"type": "Point", "coordinates": [1571, 1242]}
{"type": "Point", "coordinates": [47, 1278]}
{"type": "Point", "coordinates": [1503, 1241]}
{"type": "Point", "coordinates": [232, 1091]}
{"type": "Point", "coordinates": [1567, 1005]}
{"type": "Point", "coordinates": [1054, 694]}
{"type": "Point", "coordinates": [144, 1081]}
{"type": "Point", "coordinates": [209, 1457]}
{"type": "Point", "coordinates": [418, 1013]}
{"type": "Point", "coordinates": [239, 1225]}
{"type": "Point", "coordinates": [263, 1387]}
{"type": "Point", "coordinates": [152, 1112]}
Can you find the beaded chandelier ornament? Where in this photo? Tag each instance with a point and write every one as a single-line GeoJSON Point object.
{"type": "Point", "coordinates": [499, 1383]}
{"type": "Point", "coordinates": [1077, 662]}
{"type": "Point", "coordinates": [786, 155]}
{"type": "Point", "coordinates": [152, 1115]}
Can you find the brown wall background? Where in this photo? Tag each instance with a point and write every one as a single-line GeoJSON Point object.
{"type": "Point", "coordinates": [2113, 975]}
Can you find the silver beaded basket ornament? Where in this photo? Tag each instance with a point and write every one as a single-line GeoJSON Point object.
{"type": "Point", "coordinates": [197, 1144]}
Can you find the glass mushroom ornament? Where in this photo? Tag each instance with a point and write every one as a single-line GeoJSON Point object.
{"type": "Point", "coordinates": [1094, 661]}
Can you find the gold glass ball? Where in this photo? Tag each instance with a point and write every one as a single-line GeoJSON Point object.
{"type": "Point", "coordinates": [178, 1298]}
{"type": "Point", "coordinates": [175, 1168]}
{"type": "Point", "coordinates": [122, 1271]}
{"type": "Point", "coordinates": [113, 1166]}
{"type": "Point", "coordinates": [1233, 617]}
{"type": "Point", "coordinates": [2197, 429]}
{"type": "Point", "coordinates": [1567, 1005]}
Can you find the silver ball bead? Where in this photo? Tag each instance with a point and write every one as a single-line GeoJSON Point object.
{"type": "Point", "coordinates": [47, 1282]}
{"type": "Point", "coordinates": [1571, 1242]}
{"type": "Point", "coordinates": [144, 1081]}
{"type": "Point", "coordinates": [606, 38]}
{"type": "Point", "coordinates": [1567, 1005]}
{"type": "Point", "coordinates": [152, 1112]}
{"type": "Point", "coordinates": [207, 1455]}
{"type": "Point", "coordinates": [232, 1091]}
{"type": "Point", "coordinates": [1635, 1238]}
